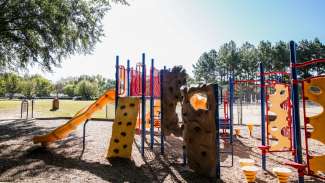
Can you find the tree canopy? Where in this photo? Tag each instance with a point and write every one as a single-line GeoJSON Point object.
{"type": "Point", "coordinates": [242, 62]}
{"type": "Point", "coordinates": [46, 31]}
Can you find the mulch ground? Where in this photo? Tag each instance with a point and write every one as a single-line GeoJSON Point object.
{"type": "Point", "coordinates": [22, 161]}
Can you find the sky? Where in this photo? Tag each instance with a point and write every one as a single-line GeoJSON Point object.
{"type": "Point", "coordinates": [177, 32]}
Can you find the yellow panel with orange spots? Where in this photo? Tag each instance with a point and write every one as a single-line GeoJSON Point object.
{"type": "Point", "coordinates": [314, 90]}
{"type": "Point", "coordinates": [276, 127]}
{"type": "Point", "coordinates": [123, 128]}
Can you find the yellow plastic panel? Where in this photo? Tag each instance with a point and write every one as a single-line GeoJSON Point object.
{"type": "Point", "coordinates": [80, 117]}
{"type": "Point", "coordinates": [124, 128]}
{"type": "Point", "coordinates": [275, 127]}
{"type": "Point", "coordinates": [156, 113]}
{"type": "Point", "coordinates": [317, 163]}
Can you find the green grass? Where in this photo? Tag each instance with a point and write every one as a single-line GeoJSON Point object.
{"type": "Point", "coordinates": [6, 105]}
{"type": "Point", "coordinates": [42, 108]}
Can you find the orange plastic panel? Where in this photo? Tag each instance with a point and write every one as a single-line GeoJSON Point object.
{"type": "Point", "coordinates": [316, 163]}
{"type": "Point", "coordinates": [275, 127]}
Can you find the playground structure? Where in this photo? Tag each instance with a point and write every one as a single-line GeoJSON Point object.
{"type": "Point", "coordinates": [133, 82]}
{"type": "Point", "coordinates": [312, 89]}
{"type": "Point", "coordinates": [131, 87]}
{"type": "Point", "coordinates": [201, 123]}
{"type": "Point", "coordinates": [280, 119]}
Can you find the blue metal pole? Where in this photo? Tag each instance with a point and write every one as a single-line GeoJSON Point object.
{"type": "Point", "coordinates": [162, 145]}
{"type": "Point", "coordinates": [216, 97]}
{"type": "Point", "coordinates": [152, 95]}
{"type": "Point", "coordinates": [295, 103]}
{"type": "Point", "coordinates": [262, 82]}
{"type": "Point", "coordinates": [117, 66]}
{"type": "Point", "coordinates": [231, 99]}
{"type": "Point", "coordinates": [143, 105]}
{"type": "Point", "coordinates": [128, 77]}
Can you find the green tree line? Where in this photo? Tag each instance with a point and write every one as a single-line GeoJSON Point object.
{"type": "Point", "coordinates": [29, 86]}
{"type": "Point", "coordinates": [241, 62]}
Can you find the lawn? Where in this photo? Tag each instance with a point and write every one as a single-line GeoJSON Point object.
{"type": "Point", "coordinates": [42, 108]}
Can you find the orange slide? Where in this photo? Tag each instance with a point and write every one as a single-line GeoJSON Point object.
{"type": "Point", "coordinates": [64, 130]}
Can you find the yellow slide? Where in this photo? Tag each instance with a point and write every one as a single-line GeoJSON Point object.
{"type": "Point", "coordinates": [64, 130]}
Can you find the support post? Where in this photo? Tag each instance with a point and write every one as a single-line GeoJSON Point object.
{"type": "Point", "coordinates": [117, 65]}
{"type": "Point", "coordinates": [152, 100]}
{"type": "Point", "coordinates": [231, 113]}
{"type": "Point", "coordinates": [216, 96]}
{"type": "Point", "coordinates": [162, 145]}
{"type": "Point", "coordinates": [295, 104]}
{"type": "Point", "coordinates": [27, 108]}
{"type": "Point", "coordinates": [32, 108]}
{"type": "Point", "coordinates": [143, 104]}
{"type": "Point", "coordinates": [262, 82]}
{"type": "Point", "coordinates": [21, 109]}
{"type": "Point", "coordinates": [106, 111]}
{"type": "Point", "coordinates": [128, 78]}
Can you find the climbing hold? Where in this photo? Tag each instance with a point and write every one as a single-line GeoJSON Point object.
{"type": "Point", "coordinates": [123, 134]}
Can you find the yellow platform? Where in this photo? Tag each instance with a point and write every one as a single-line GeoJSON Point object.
{"type": "Point", "coordinates": [282, 173]}
{"type": "Point", "coordinates": [246, 162]}
{"type": "Point", "coordinates": [124, 128]}
{"type": "Point", "coordinates": [317, 163]}
{"type": "Point", "coordinates": [250, 173]}
{"type": "Point", "coordinates": [81, 116]}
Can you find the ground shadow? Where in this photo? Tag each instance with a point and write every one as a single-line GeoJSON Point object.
{"type": "Point", "coordinates": [20, 158]}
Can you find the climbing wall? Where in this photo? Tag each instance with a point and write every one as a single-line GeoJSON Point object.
{"type": "Point", "coordinates": [316, 163]}
{"type": "Point", "coordinates": [278, 126]}
{"type": "Point", "coordinates": [200, 131]}
{"type": "Point", "coordinates": [171, 95]}
{"type": "Point", "coordinates": [123, 128]}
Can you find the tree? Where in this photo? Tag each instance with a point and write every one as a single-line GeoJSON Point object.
{"type": "Point", "coordinates": [265, 54]}
{"type": "Point", "coordinates": [59, 88]}
{"type": "Point", "coordinates": [228, 57]}
{"type": "Point", "coordinates": [86, 89]}
{"type": "Point", "coordinates": [248, 61]}
{"type": "Point", "coordinates": [69, 90]}
{"type": "Point", "coordinates": [43, 87]}
{"type": "Point", "coordinates": [2, 86]}
{"type": "Point", "coordinates": [308, 50]}
{"type": "Point", "coordinates": [205, 70]}
{"type": "Point", "coordinates": [281, 56]}
{"type": "Point", "coordinates": [28, 88]}
{"type": "Point", "coordinates": [12, 84]}
{"type": "Point", "coordinates": [45, 31]}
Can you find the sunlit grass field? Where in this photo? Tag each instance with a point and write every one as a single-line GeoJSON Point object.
{"type": "Point", "coordinates": [42, 108]}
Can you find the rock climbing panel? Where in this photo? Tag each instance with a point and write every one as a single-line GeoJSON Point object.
{"type": "Point", "coordinates": [314, 90]}
{"type": "Point", "coordinates": [123, 128]}
{"type": "Point", "coordinates": [171, 95]}
{"type": "Point", "coordinates": [200, 131]}
{"type": "Point", "coordinates": [277, 127]}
